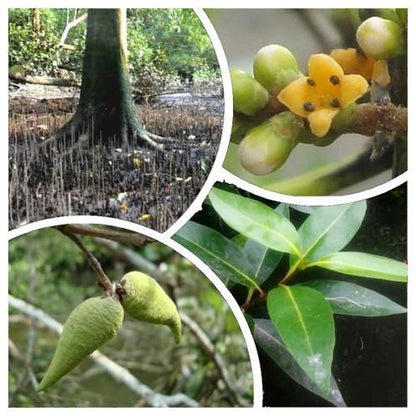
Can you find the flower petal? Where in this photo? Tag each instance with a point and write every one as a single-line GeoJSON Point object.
{"type": "Point", "coordinates": [322, 67]}
{"type": "Point", "coordinates": [295, 95]}
{"type": "Point", "coordinates": [320, 120]}
{"type": "Point", "coordinates": [353, 87]}
{"type": "Point", "coordinates": [353, 62]}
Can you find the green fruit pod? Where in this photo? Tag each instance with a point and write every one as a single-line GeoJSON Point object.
{"type": "Point", "coordinates": [249, 97]}
{"type": "Point", "coordinates": [267, 147]}
{"type": "Point", "coordinates": [90, 325]}
{"type": "Point", "coordinates": [145, 300]}
{"type": "Point", "coordinates": [275, 67]}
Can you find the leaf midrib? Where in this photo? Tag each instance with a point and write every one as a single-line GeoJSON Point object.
{"type": "Point", "coordinates": [299, 313]}
{"type": "Point", "coordinates": [350, 265]}
{"type": "Point", "coordinates": [288, 242]}
{"type": "Point", "coordinates": [325, 231]}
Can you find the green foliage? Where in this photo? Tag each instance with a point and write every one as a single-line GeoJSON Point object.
{"type": "Point", "coordinates": [162, 43]}
{"type": "Point", "coordinates": [33, 48]}
{"type": "Point", "coordinates": [298, 329]}
{"type": "Point", "coordinates": [57, 267]}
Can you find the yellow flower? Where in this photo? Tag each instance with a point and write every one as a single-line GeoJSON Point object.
{"type": "Point", "coordinates": [322, 95]}
{"type": "Point", "coordinates": [353, 62]}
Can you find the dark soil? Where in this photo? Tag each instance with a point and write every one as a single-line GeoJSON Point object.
{"type": "Point", "coordinates": [139, 185]}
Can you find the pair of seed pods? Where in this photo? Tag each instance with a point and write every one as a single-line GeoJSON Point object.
{"type": "Point", "coordinates": [98, 319]}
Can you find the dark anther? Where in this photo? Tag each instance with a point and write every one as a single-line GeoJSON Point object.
{"type": "Point", "coordinates": [311, 82]}
{"type": "Point", "coordinates": [309, 106]}
{"type": "Point", "coordinates": [334, 80]}
{"type": "Point", "coordinates": [335, 103]}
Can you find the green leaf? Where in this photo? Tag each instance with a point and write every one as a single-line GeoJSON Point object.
{"type": "Point", "coordinates": [304, 320]}
{"type": "Point", "coordinates": [224, 186]}
{"type": "Point", "coordinates": [263, 259]}
{"type": "Point", "coordinates": [364, 265]}
{"type": "Point", "coordinates": [267, 337]}
{"type": "Point", "coordinates": [305, 209]}
{"type": "Point", "coordinates": [220, 254]}
{"type": "Point", "coordinates": [330, 229]}
{"type": "Point", "coordinates": [350, 299]}
{"type": "Point", "coordinates": [256, 221]}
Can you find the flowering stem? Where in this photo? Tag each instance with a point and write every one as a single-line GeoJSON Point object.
{"type": "Point", "coordinates": [371, 118]}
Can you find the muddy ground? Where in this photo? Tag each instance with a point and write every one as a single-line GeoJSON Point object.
{"type": "Point", "coordinates": [138, 185]}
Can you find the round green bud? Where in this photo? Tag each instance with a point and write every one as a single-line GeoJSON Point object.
{"type": "Point", "coordinates": [240, 127]}
{"type": "Point", "coordinates": [145, 300]}
{"type": "Point", "coordinates": [275, 67]}
{"type": "Point", "coordinates": [267, 147]}
{"type": "Point", "coordinates": [249, 97]}
{"type": "Point", "coordinates": [90, 325]}
{"type": "Point", "coordinates": [345, 117]}
{"type": "Point", "coordinates": [380, 38]}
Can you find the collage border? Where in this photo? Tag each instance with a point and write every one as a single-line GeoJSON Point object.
{"type": "Point", "coordinates": [218, 173]}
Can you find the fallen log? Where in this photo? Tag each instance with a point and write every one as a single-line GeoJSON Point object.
{"type": "Point", "coordinates": [32, 79]}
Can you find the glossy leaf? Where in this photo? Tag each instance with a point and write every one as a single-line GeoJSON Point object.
{"type": "Point", "coordinates": [267, 337]}
{"type": "Point", "coordinates": [364, 265]}
{"type": "Point", "coordinates": [224, 186]}
{"type": "Point", "coordinates": [304, 320]}
{"type": "Point", "coordinates": [305, 209]}
{"type": "Point", "coordinates": [350, 299]}
{"type": "Point", "coordinates": [263, 259]}
{"type": "Point", "coordinates": [224, 257]}
{"type": "Point", "coordinates": [330, 229]}
{"type": "Point", "coordinates": [255, 220]}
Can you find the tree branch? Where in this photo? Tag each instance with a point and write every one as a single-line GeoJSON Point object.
{"type": "Point", "coordinates": [68, 27]}
{"type": "Point", "coordinates": [103, 279]}
{"type": "Point", "coordinates": [32, 79]}
{"type": "Point", "coordinates": [209, 350]}
{"type": "Point", "coordinates": [135, 259]}
{"type": "Point", "coordinates": [120, 236]}
{"type": "Point", "coordinates": [118, 373]}
{"type": "Point", "coordinates": [371, 118]}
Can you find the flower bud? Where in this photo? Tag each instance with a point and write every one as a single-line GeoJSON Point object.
{"type": "Point", "coordinates": [274, 66]}
{"type": "Point", "coordinates": [380, 38]}
{"type": "Point", "coordinates": [267, 147]}
{"type": "Point", "coordinates": [90, 325]}
{"type": "Point", "coordinates": [145, 300]}
{"type": "Point", "coordinates": [239, 128]}
{"type": "Point", "coordinates": [249, 97]}
{"type": "Point", "coordinates": [345, 117]}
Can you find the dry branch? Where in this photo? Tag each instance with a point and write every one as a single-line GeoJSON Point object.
{"type": "Point", "coordinates": [68, 27]}
{"type": "Point", "coordinates": [117, 372]}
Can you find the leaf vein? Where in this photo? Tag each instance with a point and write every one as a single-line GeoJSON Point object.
{"type": "Point", "coordinates": [302, 322]}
